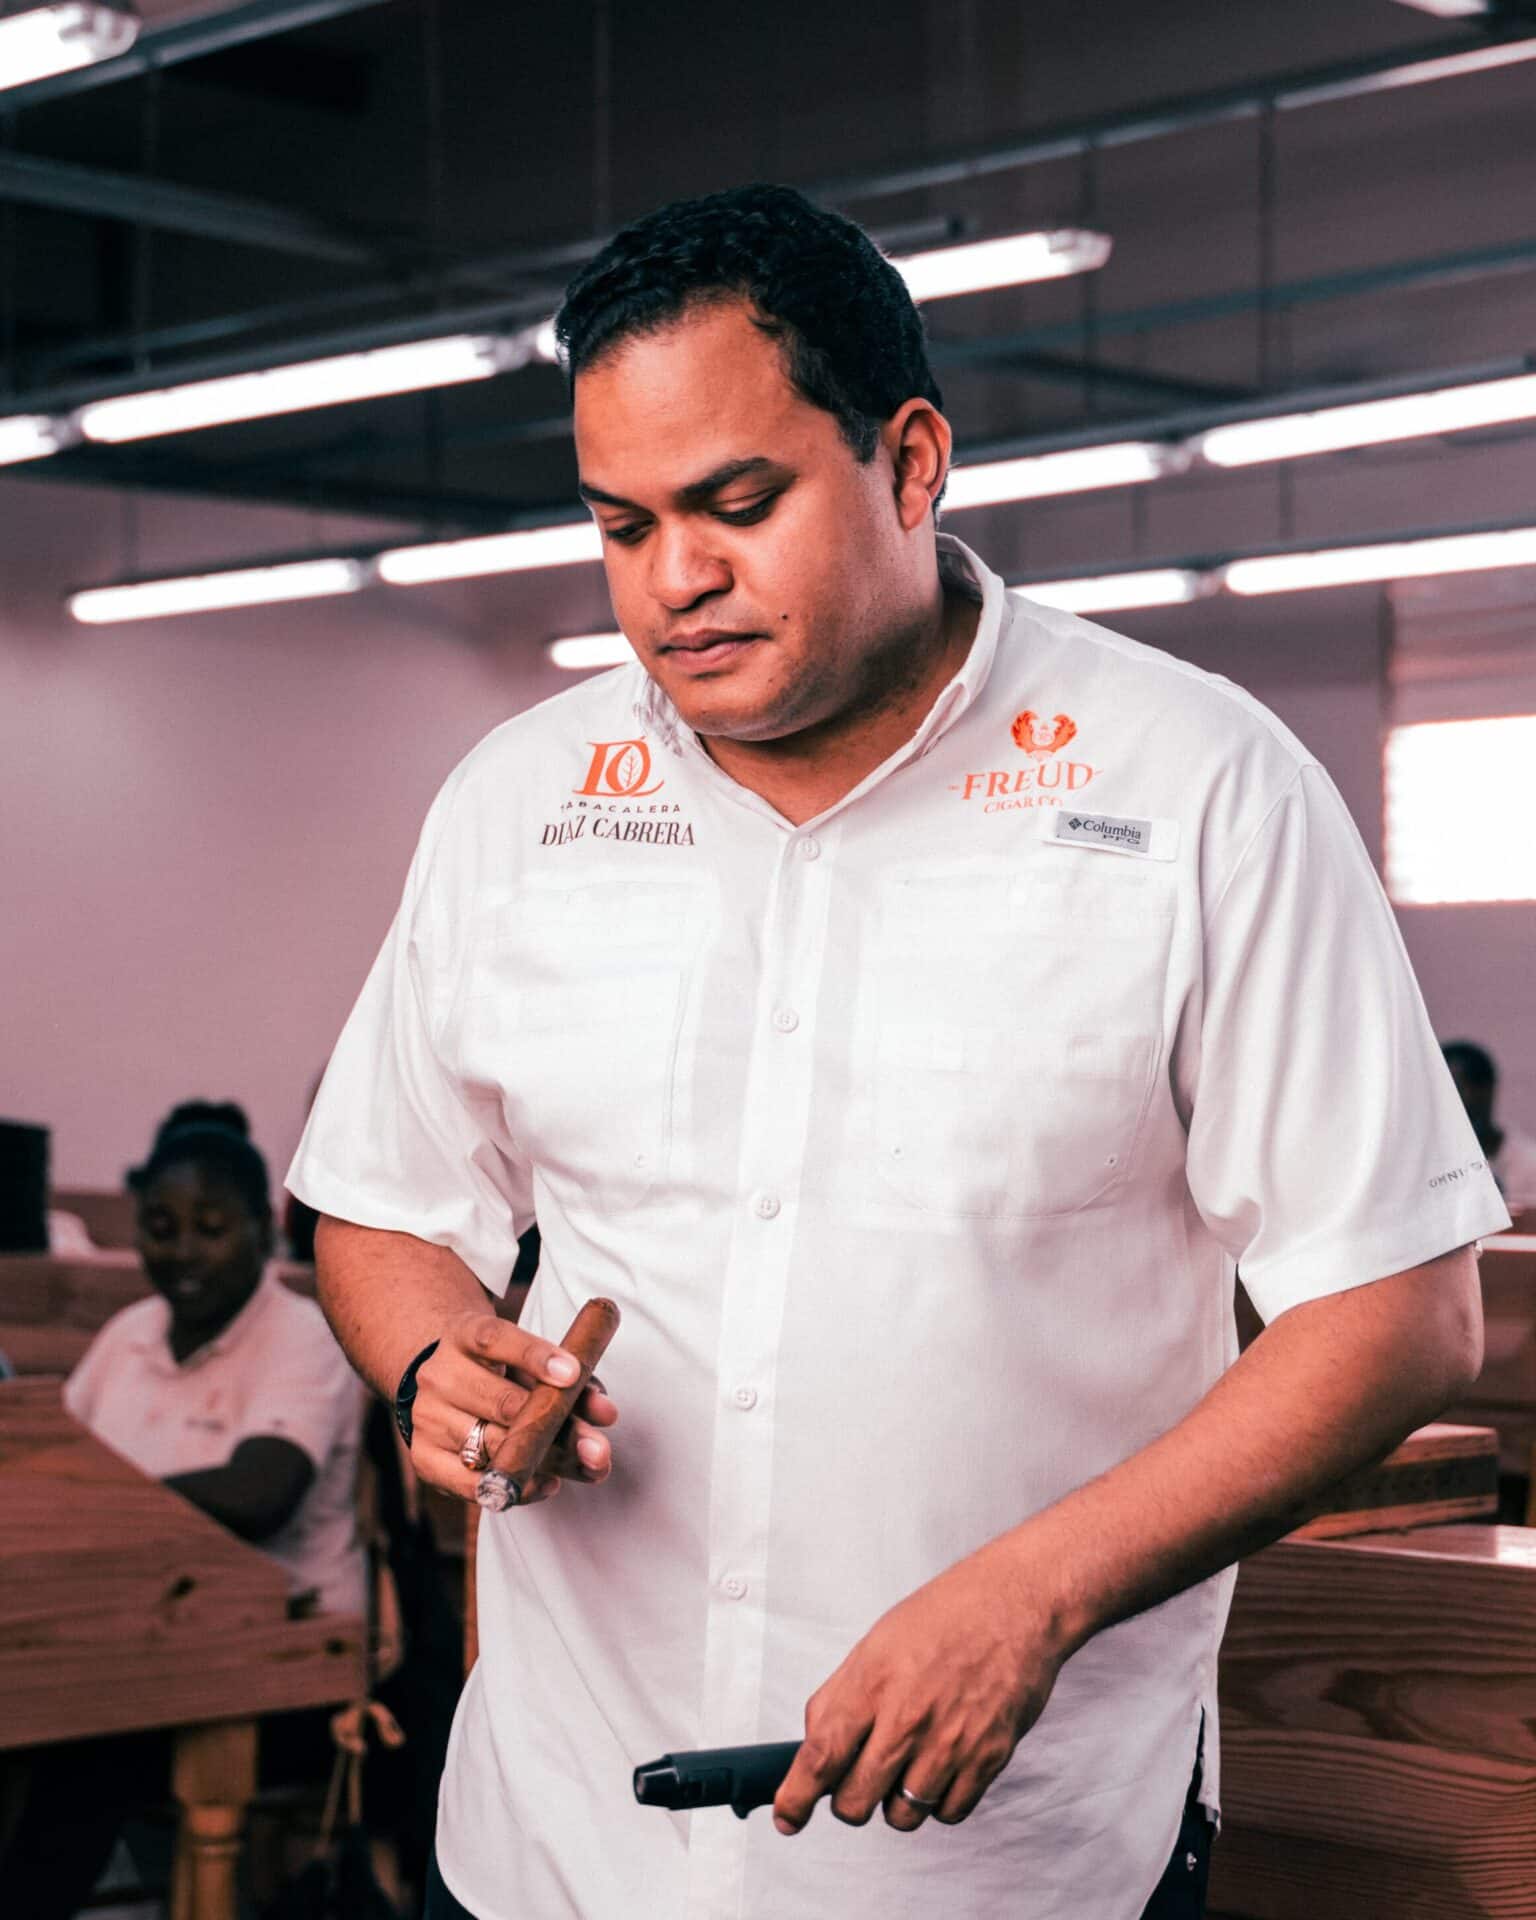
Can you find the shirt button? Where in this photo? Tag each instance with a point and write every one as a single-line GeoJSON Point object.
{"type": "Point", "coordinates": [810, 849]}
{"type": "Point", "coordinates": [786, 1019]}
{"type": "Point", "coordinates": [745, 1398]}
{"type": "Point", "coordinates": [735, 1587]}
{"type": "Point", "coordinates": [766, 1205]}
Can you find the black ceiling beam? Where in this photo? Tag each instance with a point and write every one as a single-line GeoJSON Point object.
{"type": "Point", "coordinates": [512, 274]}
{"type": "Point", "coordinates": [1438, 270]}
{"type": "Point", "coordinates": [187, 38]}
{"type": "Point", "coordinates": [1312, 87]}
{"type": "Point", "coordinates": [210, 215]}
{"type": "Point", "coordinates": [442, 515]}
{"type": "Point", "coordinates": [1142, 382]}
{"type": "Point", "coordinates": [1185, 114]}
{"type": "Point", "coordinates": [1517, 257]}
{"type": "Point", "coordinates": [289, 479]}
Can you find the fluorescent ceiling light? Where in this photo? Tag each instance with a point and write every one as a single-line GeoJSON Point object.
{"type": "Point", "coordinates": [1450, 66]}
{"type": "Point", "coordinates": [545, 345]}
{"type": "Point", "coordinates": [28, 436]}
{"type": "Point", "coordinates": [1449, 9]}
{"type": "Point", "coordinates": [47, 40]}
{"type": "Point", "coordinates": [1076, 470]}
{"type": "Point", "coordinates": [1155, 587]}
{"type": "Point", "coordinates": [1408, 416]}
{"type": "Point", "coordinates": [1013, 260]}
{"type": "Point", "coordinates": [1390, 560]}
{"type": "Point", "coordinates": [565, 545]}
{"type": "Point", "coordinates": [201, 593]}
{"type": "Point", "coordinates": [311, 383]}
{"type": "Point", "coordinates": [581, 652]}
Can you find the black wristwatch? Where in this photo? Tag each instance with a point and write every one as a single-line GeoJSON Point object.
{"type": "Point", "coordinates": [405, 1394]}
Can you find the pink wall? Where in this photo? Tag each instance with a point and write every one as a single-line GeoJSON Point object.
{"type": "Point", "coordinates": [205, 822]}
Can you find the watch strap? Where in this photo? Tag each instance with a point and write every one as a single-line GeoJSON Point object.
{"type": "Point", "coordinates": [405, 1394]}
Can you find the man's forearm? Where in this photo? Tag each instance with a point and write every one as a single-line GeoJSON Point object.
{"type": "Point", "coordinates": [388, 1295]}
{"type": "Point", "coordinates": [1329, 1386]}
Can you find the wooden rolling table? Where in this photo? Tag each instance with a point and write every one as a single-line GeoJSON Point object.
{"type": "Point", "coordinates": [1378, 1706]}
{"type": "Point", "coordinates": [122, 1607]}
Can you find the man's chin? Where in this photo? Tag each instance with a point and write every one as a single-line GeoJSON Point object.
{"type": "Point", "coordinates": [745, 725]}
{"type": "Point", "coordinates": [722, 711]}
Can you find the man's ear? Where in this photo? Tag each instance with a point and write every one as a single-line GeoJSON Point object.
{"type": "Point", "coordinates": [919, 440]}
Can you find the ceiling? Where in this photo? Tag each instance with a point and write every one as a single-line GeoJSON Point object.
{"type": "Point", "coordinates": [413, 164]}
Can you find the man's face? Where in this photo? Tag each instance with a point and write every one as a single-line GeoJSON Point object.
{"type": "Point", "coordinates": [761, 572]}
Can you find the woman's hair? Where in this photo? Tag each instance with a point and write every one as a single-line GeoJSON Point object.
{"type": "Point", "coordinates": [852, 340]}
{"type": "Point", "coordinates": [1475, 1062]}
{"type": "Point", "coordinates": [215, 1136]}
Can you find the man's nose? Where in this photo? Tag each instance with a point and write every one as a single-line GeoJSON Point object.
{"type": "Point", "coordinates": [683, 567]}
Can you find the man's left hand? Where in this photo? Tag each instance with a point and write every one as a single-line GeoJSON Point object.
{"type": "Point", "coordinates": [934, 1698]}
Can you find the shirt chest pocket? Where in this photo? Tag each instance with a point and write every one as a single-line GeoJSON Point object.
{"type": "Point", "coordinates": [574, 1014]}
{"type": "Point", "coordinates": [1012, 1035]}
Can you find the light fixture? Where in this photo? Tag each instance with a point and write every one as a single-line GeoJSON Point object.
{"type": "Point", "coordinates": [310, 383]}
{"type": "Point", "coordinates": [1074, 470]}
{"type": "Point", "coordinates": [205, 592]}
{"type": "Point", "coordinates": [1153, 587]}
{"type": "Point", "coordinates": [29, 436]}
{"type": "Point", "coordinates": [47, 40]}
{"type": "Point", "coordinates": [567, 544]}
{"type": "Point", "coordinates": [1013, 260]}
{"type": "Point", "coordinates": [1369, 423]}
{"type": "Point", "coordinates": [582, 652]}
{"type": "Point", "coordinates": [1387, 560]}
{"type": "Point", "coordinates": [1449, 9]}
{"type": "Point", "coordinates": [545, 346]}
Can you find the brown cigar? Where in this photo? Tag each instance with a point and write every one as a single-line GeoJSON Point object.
{"type": "Point", "coordinates": [532, 1433]}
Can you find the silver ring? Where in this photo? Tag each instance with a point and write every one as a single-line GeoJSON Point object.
{"type": "Point", "coordinates": [473, 1452]}
{"type": "Point", "coordinates": [923, 1806]}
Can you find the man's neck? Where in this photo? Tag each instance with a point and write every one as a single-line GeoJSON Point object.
{"type": "Point", "coordinates": [803, 775]}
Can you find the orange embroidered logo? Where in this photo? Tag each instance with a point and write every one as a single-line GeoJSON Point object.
{"type": "Point", "coordinates": [619, 769]}
{"type": "Point", "coordinates": [1040, 738]}
{"type": "Point", "coordinates": [1043, 778]}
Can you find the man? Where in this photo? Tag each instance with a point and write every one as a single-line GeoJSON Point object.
{"type": "Point", "coordinates": [907, 1004]}
{"type": "Point", "coordinates": [1511, 1154]}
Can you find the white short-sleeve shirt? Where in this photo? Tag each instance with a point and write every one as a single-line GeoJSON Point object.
{"type": "Point", "coordinates": [917, 1145]}
{"type": "Point", "coordinates": [275, 1370]}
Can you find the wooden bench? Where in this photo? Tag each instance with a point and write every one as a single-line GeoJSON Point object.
{"type": "Point", "coordinates": [1505, 1394]}
{"type": "Point", "coordinates": [52, 1305]}
{"type": "Point", "coordinates": [1378, 1705]}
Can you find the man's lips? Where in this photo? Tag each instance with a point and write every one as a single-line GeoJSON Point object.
{"type": "Point", "coordinates": [696, 651]}
{"type": "Point", "coordinates": [702, 641]}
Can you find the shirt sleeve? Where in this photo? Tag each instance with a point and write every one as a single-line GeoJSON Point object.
{"type": "Point", "coordinates": [395, 1140]}
{"type": "Point", "coordinates": [313, 1399]}
{"type": "Point", "coordinates": [1327, 1145]}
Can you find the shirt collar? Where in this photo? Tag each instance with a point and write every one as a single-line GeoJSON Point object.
{"type": "Point", "coordinates": [961, 571]}
{"type": "Point", "coordinates": [154, 1337]}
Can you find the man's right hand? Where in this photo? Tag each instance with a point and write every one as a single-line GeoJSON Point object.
{"type": "Point", "coordinates": [484, 1369]}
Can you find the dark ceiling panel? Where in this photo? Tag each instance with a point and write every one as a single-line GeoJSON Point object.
{"type": "Point", "coordinates": [518, 128]}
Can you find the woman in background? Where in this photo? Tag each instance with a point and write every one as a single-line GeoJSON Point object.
{"type": "Point", "coordinates": [230, 1389]}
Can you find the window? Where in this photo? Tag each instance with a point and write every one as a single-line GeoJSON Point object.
{"type": "Point", "coordinates": [1461, 811]}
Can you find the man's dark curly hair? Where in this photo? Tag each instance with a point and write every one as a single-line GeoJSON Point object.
{"type": "Point", "coordinates": [852, 340]}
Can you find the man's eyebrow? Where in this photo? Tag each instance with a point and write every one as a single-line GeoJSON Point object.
{"type": "Point", "coordinates": [696, 491]}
